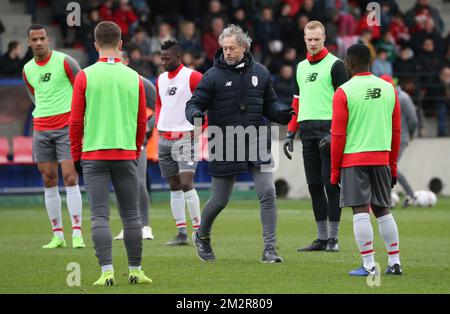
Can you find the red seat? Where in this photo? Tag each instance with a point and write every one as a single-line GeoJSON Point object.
{"type": "Point", "coordinates": [22, 149]}
{"type": "Point", "coordinates": [4, 150]}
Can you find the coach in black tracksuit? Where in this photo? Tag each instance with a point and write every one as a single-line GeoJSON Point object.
{"type": "Point", "coordinates": [317, 78]}
{"type": "Point", "coordinates": [237, 92]}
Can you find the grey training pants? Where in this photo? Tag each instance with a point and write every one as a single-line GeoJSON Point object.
{"type": "Point", "coordinates": [221, 191]}
{"type": "Point", "coordinates": [144, 199]}
{"type": "Point", "coordinates": [124, 175]}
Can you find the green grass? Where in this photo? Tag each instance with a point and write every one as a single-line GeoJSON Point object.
{"type": "Point", "coordinates": [424, 236]}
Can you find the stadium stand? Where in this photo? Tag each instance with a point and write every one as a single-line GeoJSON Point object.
{"type": "Point", "coordinates": [22, 150]}
{"type": "Point", "coordinates": [4, 150]}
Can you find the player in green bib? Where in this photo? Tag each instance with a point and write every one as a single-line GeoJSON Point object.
{"type": "Point", "coordinates": [364, 150]}
{"type": "Point", "coordinates": [107, 130]}
{"type": "Point", "coordinates": [49, 77]}
{"type": "Point", "coordinates": [318, 76]}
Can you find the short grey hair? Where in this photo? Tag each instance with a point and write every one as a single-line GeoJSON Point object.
{"type": "Point", "coordinates": [242, 38]}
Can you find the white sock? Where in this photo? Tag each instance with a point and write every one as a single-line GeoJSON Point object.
{"type": "Point", "coordinates": [193, 204]}
{"type": "Point", "coordinates": [106, 268]}
{"type": "Point", "coordinates": [178, 204]}
{"type": "Point", "coordinates": [134, 268]}
{"type": "Point", "coordinates": [363, 231]}
{"type": "Point", "coordinates": [389, 233]}
{"type": "Point", "coordinates": [53, 205]}
{"type": "Point", "coordinates": [74, 205]}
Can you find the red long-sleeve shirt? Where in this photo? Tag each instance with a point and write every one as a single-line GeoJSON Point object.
{"type": "Point", "coordinates": [77, 125]}
{"type": "Point", "coordinates": [339, 135]}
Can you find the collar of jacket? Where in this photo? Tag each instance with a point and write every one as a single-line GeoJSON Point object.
{"type": "Point", "coordinates": [244, 63]}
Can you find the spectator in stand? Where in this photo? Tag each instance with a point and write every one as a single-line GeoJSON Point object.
{"type": "Point", "coordinates": [399, 30]}
{"type": "Point", "coordinates": [288, 56]}
{"type": "Point", "coordinates": [284, 84]}
{"type": "Point", "coordinates": [267, 33]}
{"type": "Point", "coordinates": [141, 9]}
{"type": "Point", "coordinates": [387, 43]}
{"type": "Point", "coordinates": [189, 40]}
{"type": "Point", "coordinates": [2, 30]}
{"type": "Point", "coordinates": [106, 10]}
{"type": "Point", "coordinates": [214, 10]}
{"type": "Point", "coordinates": [86, 35]}
{"type": "Point", "coordinates": [366, 39]}
{"type": "Point", "coordinates": [363, 24]}
{"type": "Point", "coordinates": [211, 39]}
{"type": "Point", "coordinates": [138, 64]}
{"type": "Point", "coordinates": [415, 18]}
{"type": "Point", "coordinates": [331, 25]}
{"type": "Point", "coordinates": [296, 36]}
{"type": "Point", "coordinates": [430, 64]}
{"type": "Point", "coordinates": [447, 53]}
{"type": "Point", "coordinates": [431, 32]}
{"type": "Point", "coordinates": [312, 11]}
{"type": "Point", "coordinates": [60, 16]}
{"type": "Point", "coordinates": [141, 40]}
{"type": "Point", "coordinates": [164, 33]}
{"type": "Point", "coordinates": [441, 96]}
{"type": "Point", "coordinates": [382, 65]}
{"type": "Point", "coordinates": [406, 65]}
{"type": "Point", "coordinates": [239, 17]}
{"type": "Point", "coordinates": [125, 17]}
{"type": "Point", "coordinates": [188, 60]}
{"type": "Point", "coordinates": [11, 64]}
{"type": "Point", "coordinates": [345, 23]}
{"type": "Point", "coordinates": [295, 6]}
{"type": "Point", "coordinates": [387, 14]}
{"type": "Point", "coordinates": [285, 21]}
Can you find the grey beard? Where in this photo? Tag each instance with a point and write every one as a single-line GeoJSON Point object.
{"type": "Point", "coordinates": [233, 63]}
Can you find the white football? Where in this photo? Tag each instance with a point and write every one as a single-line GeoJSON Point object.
{"type": "Point", "coordinates": [432, 198]}
{"type": "Point", "coordinates": [424, 199]}
{"type": "Point", "coordinates": [394, 199]}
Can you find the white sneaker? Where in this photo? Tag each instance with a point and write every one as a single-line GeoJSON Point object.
{"type": "Point", "coordinates": [147, 233]}
{"type": "Point", "coordinates": [119, 236]}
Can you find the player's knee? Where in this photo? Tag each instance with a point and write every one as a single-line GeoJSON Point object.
{"type": "Point", "coordinates": [219, 203]}
{"type": "Point", "coordinates": [187, 186]}
{"type": "Point", "coordinates": [132, 223]}
{"type": "Point", "coordinates": [315, 189]}
{"type": "Point", "coordinates": [99, 222]}
{"type": "Point", "coordinates": [267, 194]}
{"type": "Point", "coordinates": [70, 179]}
{"type": "Point", "coordinates": [50, 178]}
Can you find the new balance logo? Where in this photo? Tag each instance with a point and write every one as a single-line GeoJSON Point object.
{"type": "Point", "coordinates": [311, 77]}
{"type": "Point", "coordinates": [171, 91]}
{"type": "Point", "coordinates": [373, 93]}
{"type": "Point", "coordinates": [228, 84]}
{"type": "Point", "coordinates": [44, 77]}
{"type": "Point", "coordinates": [394, 244]}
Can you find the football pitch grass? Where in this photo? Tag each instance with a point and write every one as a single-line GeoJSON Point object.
{"type": "Point", "coordinates": [424, 243]}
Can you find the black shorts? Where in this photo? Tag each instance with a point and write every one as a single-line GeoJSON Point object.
{"type": "Point", "coordinates": [317, 164]}
{"type": "Point", "coordinates": [364, 185]}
